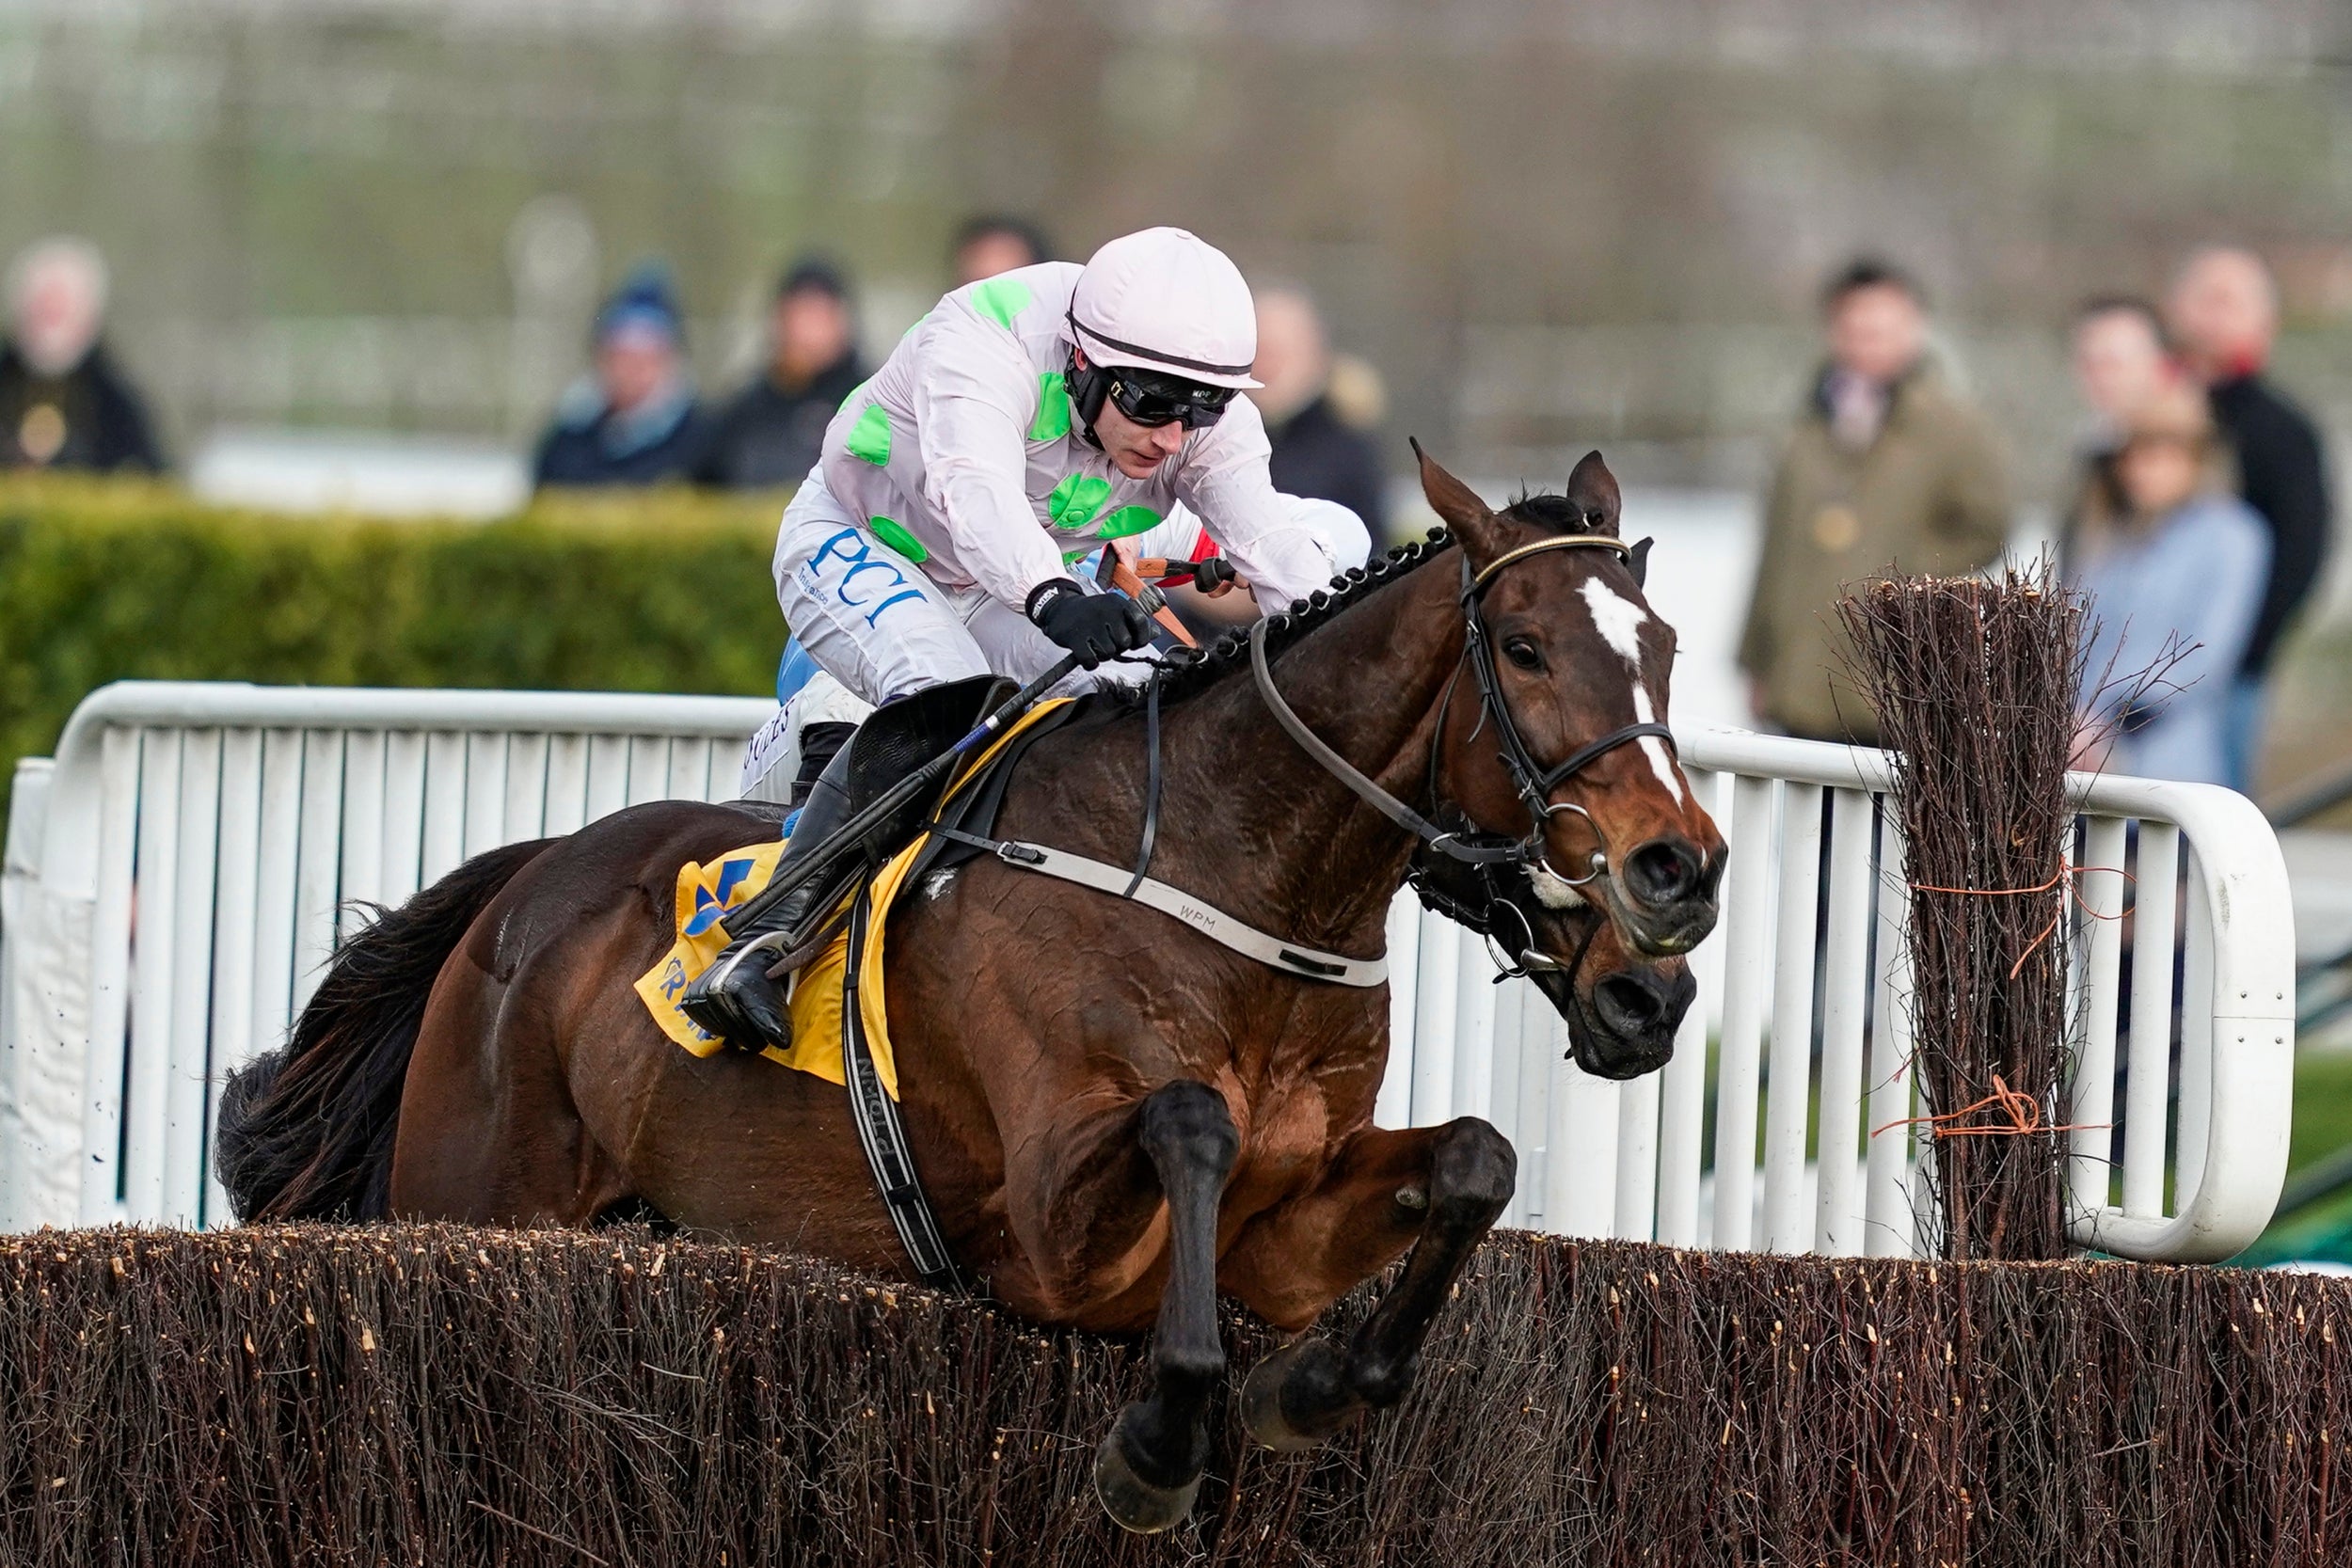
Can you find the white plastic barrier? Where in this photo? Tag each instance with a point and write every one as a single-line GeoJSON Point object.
{"type": "Point", "coordinates": [177, 877]}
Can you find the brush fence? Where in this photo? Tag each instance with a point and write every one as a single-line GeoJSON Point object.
{"type": "Point", "coordinates": [178, 874]}
{"type": "Point", "coordinates": [431, 1395]}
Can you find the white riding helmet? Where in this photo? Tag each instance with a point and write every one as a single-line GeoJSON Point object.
{"type": "Point", "coordinates": [1166, 300]}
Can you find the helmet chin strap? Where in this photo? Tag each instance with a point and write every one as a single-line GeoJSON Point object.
{"type": "Point", "coordinates": [1089, 387]}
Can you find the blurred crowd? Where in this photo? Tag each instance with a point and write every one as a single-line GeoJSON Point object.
{"type": "Point", "coordinates": [2198, 516]}
{"type": "Point", "coordinates": [2198, 519]}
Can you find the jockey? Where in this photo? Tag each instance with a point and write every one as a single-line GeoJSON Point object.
{"type": "Point", "coordinates": [1028, 419]}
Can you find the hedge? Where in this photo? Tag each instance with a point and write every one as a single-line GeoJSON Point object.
{"type": "Point", "coordinates": [646, 590]}
{"type": "Point", "coordinates": [435, 1395]}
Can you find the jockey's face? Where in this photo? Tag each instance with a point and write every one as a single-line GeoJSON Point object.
{"type": "Point", "coordinates": [1135, 450]}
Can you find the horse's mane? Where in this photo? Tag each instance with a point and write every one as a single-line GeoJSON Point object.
{"type": "Point", "coordinates": [1190, 673]}
{"type": "Point", "coordinates": [1187, 673]}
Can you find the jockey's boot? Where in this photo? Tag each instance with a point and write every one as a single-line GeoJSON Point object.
{"type": "Point", "coordinates": [734, 998]}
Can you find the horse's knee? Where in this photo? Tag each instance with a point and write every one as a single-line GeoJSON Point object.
{"type": "Point", "coordinates": [1189, 1126]}
{"type": "Point", "coordinates": [1473, 1171]}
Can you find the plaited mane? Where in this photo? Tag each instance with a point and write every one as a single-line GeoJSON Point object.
{"type": "Point", "coordinates": [1190, 674]}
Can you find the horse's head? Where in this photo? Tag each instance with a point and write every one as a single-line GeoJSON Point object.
{"type": "Point", "coordinates": [1561, 723]}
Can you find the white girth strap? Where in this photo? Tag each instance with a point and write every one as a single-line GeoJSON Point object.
{"type": "Point", "coordinates": [1211, 922]}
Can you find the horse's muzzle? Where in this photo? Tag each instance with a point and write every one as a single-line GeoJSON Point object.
{"type": "Point", "coordinates": [1663, 895]}
{"type": "Point", "coordinates": [1626, 1025]}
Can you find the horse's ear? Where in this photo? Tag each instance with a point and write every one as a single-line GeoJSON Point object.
{"type": "Point", "coordinates": [1637, 562]}
{"type": "Point", "coordinates": [1458, 505]}
{"type": "Point", "coordinates": [1593, 491]}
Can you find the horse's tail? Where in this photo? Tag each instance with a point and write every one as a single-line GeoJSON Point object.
{"type": "Point", "coordinates": [306, 1131]}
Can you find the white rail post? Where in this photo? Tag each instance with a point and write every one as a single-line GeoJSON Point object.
{"type": "Point", "coordinates": [1890, 1211]}
{"type": "Point", "coordinates": [1682, 1092]}
{"type": "Point", "coordinates": [1393, 1107]}
{"type": "Point", "coordinates": [2090, 1102]}
{"type": "Point", "coordinates": [1435, 1009]}
{"type": "Point", "coordinates": [1580, 1166]}
{"type": "Point", "coordinates": [1837, 1229]}
{"type": "Point", "coordinates": [108, 837]}
{"type": "Point", "coordinates": [1786, 1226]}
{"type": "Point", "coordinates": [2150, 1083]}
{"type": "Point", "coordinates": [1475, 1042]}
{"type": "Point", "coordinates": [21, 1086]}
{"type": "Point", "coordinates": [2196, 1080]}
{"type": "Point", "coordinates": [1748, 902]}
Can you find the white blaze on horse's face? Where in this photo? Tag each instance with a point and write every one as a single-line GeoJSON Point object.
{"type": "Point", "coordinates": [1620, 621]}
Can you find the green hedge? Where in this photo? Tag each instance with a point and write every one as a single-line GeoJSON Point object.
{"type": "Point", "coordinates": [638, 591]}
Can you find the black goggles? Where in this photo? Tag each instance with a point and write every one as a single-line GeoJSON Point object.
{"type": "Point", "coordinates": [1152, 400]}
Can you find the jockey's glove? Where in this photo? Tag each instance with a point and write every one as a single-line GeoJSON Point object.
{"type": "Point", "coordinates": [1095, 627]}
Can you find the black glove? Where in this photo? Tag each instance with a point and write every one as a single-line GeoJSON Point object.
{"type": "Point", "coordinates": [1095, 627]}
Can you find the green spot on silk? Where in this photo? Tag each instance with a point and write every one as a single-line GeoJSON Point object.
{"type": "Point", "coordinates": [891, 534]}
{"type": "Point", "coordinates": [1075, 500]}
{"type": "Point", "coordinates": [1127, 520]}
{"type": "Point", "coordinates": [1053, 408]}
{"type": "Point", "coordinates": [870, 438]}
{"type": "Point", "coordinates": [1000, 299]}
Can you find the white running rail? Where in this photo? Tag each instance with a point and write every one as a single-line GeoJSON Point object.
{"type": "Point", "coordinates": [179, 873]}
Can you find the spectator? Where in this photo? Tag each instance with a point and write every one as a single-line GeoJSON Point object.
{"type": "Point", "coordinates": [634, 421]}
{"type": "Point", "coordinates": [1887, 468]}
{"type": "Point", "coordinates": [2225, 313]}
{"type": "Point", "coordinates": [63, 404]}
{"type": "Point", "coordinates": [771, 432]}
{"type": "Point", "coordinates": [994, 243]}
{"type": "Point", "coordinates": [1317, 450]}
{"type": "Point", "coordinates": [2121, 361]}
{"type": "Point", "coordinates": [2183, 567]}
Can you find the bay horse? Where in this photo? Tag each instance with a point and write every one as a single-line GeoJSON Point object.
{"type": "Point", "coordinates": [1115, 1118]}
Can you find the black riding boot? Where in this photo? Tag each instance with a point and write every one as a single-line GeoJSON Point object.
{"type": "Point", "coordinates": [734, 998]}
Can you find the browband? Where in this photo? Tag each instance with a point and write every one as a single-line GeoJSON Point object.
{"type": "Point", "coordinates": [1556, 542]}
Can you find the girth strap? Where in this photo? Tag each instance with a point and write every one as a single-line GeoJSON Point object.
{"type": "Point", "coordinates": [1290, 957]}
{"type": "Point", "coordinates": [882, 1135]}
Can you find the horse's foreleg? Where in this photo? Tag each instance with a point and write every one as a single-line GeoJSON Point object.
{"type": "Point", "coordinates": [1441, 1187]}
{"type": "Point", "coordinates": [1150, 1465]}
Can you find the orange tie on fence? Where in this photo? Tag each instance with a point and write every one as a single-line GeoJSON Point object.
{"type": "Point", "coordinates": [2065, 873]}
{"type": "Point", "coordinates": [2022, 1110]}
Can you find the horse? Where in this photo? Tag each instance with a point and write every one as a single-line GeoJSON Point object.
{"type": "Point", "coordinates": [1113, 1117]}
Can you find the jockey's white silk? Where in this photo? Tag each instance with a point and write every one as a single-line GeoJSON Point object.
{"type": "Point", "coordinates": [963, 453]}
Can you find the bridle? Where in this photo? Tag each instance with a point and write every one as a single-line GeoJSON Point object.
{"type": "Point", "coordinates": [1480, 852]}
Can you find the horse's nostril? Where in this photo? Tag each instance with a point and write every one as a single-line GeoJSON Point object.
{"type": "Point", "coordinates": [1627, 1005]}
{"type": "Point", "coordinates": [1663, 871]}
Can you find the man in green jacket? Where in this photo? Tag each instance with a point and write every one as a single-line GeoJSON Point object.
{"type": "Point", "coordinates": [1887, 469]}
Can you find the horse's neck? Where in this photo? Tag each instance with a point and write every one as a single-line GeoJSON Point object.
{"type": "Point", "coordinates": [1266, 830]}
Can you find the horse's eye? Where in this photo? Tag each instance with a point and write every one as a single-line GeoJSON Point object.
{"type": "Point", "coordinates": [1522, 652]}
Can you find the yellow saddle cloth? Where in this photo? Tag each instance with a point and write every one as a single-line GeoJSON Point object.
{"type": "Point", "coordinates": [706, 890]}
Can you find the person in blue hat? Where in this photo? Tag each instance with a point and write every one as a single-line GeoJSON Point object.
{"type": "Point", "coordinates": [634, 421]}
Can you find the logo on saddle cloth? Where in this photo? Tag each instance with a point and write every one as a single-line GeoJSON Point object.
{"type": "Point", "coordinates": [705, 895]}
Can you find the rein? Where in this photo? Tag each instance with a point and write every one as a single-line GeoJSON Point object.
{"type": "Point", "coordinates": [1533, 781]}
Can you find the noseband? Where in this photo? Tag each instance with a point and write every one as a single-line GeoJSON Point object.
{"type": "Point", "coordinates": [1533, 781]}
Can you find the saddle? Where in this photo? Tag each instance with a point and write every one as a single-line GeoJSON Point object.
{"type": "Point", "coordinates": [907, 846]}
{"type": "Point", "coordinates": [899, 737]}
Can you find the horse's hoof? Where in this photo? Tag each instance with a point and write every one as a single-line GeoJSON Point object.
{"type": "Point", "coordinates": [1133, 1502]}
{"type": "Point", "coordinates": [1316, 1364]}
